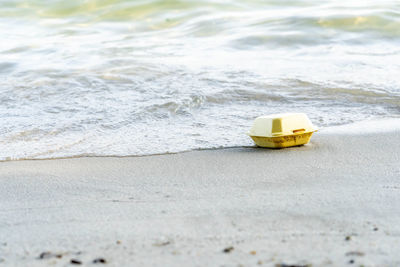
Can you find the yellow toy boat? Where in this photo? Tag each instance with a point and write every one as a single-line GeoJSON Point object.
{"type": "Point", "coordinates": [282, 130]}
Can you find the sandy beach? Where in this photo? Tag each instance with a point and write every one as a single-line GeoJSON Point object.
{"type": "Point", "coordinates": [333, 202]}
{"type": "Point", "coordinates": [123, 133]}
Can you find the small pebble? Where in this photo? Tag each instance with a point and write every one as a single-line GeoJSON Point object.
{"type": "Point", "coordinates": [228, 249]}
{"type": "Point", "coordinates": [99, 260]}
{"type": "Point", "coordinates": [351, 261]}
{"type": "Point", "coordinates": [376, 229]}
{"type": "Point", "coordinates": [161, 244]}
{"type": "Point", "coordinates": [48, 255]}
{"type": "Point", "coordinates": [74, 261]}
{"type": "Point", "coordinates": [348, 238]}
{"type": "Point", "coordinates": [45, 255]}
{"type": "Point", "coordinates": [355, 253]}
{"type": "Point", "coordinates": [253, 252]}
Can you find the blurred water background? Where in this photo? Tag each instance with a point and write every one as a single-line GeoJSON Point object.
{"type": "Point", "coordinates": [120, 77]}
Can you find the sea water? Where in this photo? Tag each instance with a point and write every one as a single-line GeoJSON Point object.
{"type": "Point", "coordinates": [140, 77]}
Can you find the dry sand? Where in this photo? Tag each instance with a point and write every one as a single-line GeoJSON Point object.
{"type": "Point", "coordinates": [334, 202]}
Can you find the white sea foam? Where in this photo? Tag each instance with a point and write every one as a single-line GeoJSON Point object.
{"type": "Point", "coordinates": [365, 127]}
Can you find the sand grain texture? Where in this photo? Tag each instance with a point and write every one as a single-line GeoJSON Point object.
{"type": "Point", "coordinates": [334, 202]}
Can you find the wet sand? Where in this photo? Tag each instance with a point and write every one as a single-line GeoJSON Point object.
{"type": "Point", "coordinates": [334, 202]}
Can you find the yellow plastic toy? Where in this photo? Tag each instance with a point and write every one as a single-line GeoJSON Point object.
{"type": "Point", "coordinates": [282, 130]}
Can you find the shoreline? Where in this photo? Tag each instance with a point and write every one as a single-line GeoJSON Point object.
{"type": "Point", "coordinates": [329, 203]}
{"type": "Point", "coordinates": [385, 125]}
